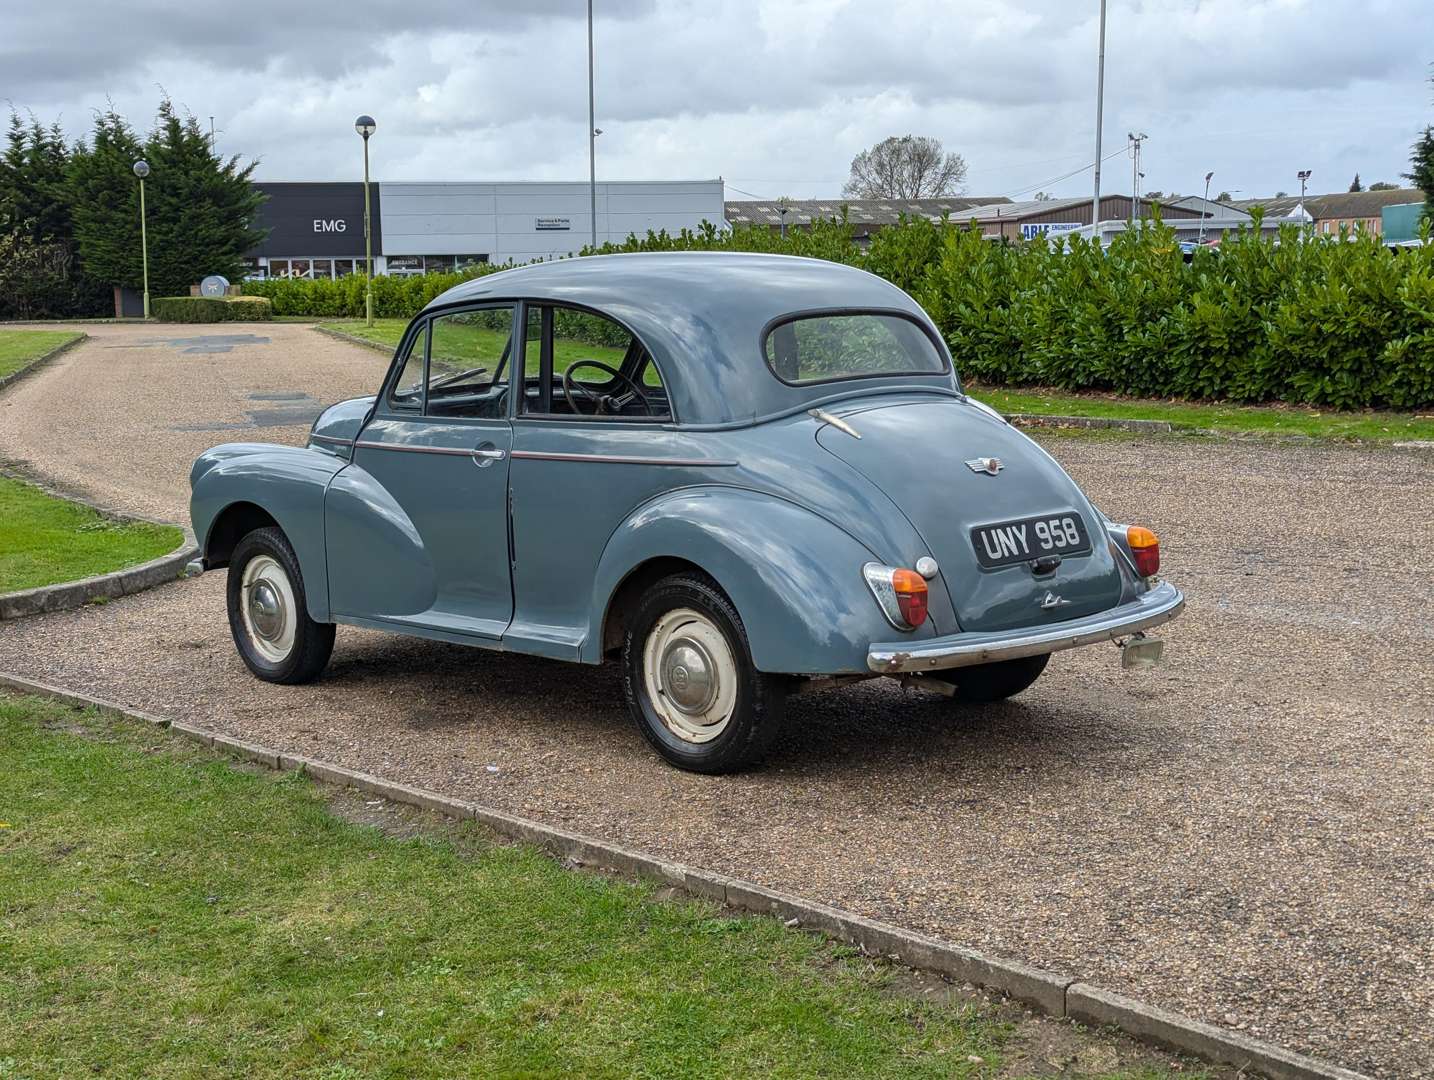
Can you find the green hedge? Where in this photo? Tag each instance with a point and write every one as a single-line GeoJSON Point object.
{"type": "Point", "coordinates": [1318, 320]}
{"type": "Point", "coordinates": [210, 309]}
{"type": "Point", "coordinates": [393, 297]}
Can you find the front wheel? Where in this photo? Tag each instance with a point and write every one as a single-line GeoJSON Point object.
{"type": "Point", "coordinates": [981, 684]}
{"type": "Point", "coordinates": [690, 682]}
{"type": "Point", "coordinates": [267, 614]}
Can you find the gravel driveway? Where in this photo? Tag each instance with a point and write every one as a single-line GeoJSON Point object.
{"type": "Point", "coordinates": [1245, 834]}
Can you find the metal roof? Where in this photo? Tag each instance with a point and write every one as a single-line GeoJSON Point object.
{"type": "Point", "coordinates": [701, 314]}
{"type": "Point", "coordinates": [858, 211]}
{"type": "Point", "coordinates": [1341, 204]}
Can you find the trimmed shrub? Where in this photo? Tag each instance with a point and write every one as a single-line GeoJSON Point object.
{"type": "Point", "coordinates": [211, 309]}
{"type": "Point", "coordinates": [1328, 320]}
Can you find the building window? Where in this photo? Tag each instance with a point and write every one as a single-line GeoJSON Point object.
{"type": "Point", "coordinates": [278, 268]}
{"type": "Point", "coordinates": [435, 264]}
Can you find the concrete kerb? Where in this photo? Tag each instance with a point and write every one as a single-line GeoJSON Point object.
{"type": "Point", "coordinates": [66, 595]}
{"type": "Point", "coordinates": [1057, 994]}
{"type": "Point", "coordinates": [73, 594]}
{"type": "Point", "coordinates": [354, 339]}
{"type": "Point", "coordinates": [1159, 427]}
{"type": "Point", "coordinates": [41, 360]}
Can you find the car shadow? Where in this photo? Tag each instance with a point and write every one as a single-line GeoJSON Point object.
{"type": "Point", "coordinates": [874, 727]}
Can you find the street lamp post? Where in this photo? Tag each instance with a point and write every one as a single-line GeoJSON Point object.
{"type": "Point", "coordinates": [1099, 117]}
{"type": "Point", "coordinates": [1204, 210]}
{"type": "Point", "coordinates": [593, 132]}
{"type": "Point", "coordinates": [1304, 177]}
{"type": "Point", "coordinates": [141, 169]}
{"type": "Point", "coordinates": [366, 126]}
{"type": "Point", "coordinates": [1135, 173]}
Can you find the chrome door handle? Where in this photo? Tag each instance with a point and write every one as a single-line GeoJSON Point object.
{"type": "Point", "coordinates": [486, 455]}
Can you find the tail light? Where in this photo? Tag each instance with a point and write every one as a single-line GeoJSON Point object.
{"type": "Point", "coordinates": [1145, 547]}
{"type": "Point", "coordinates": [900, 592]}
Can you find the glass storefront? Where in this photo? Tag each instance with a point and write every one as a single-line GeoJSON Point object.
{"type": "Point", "coordinates": [310, 268]}
{"type": "Point", "coordinates": [398, 266]}
{"type": "Point", "coordinates": [409, 265]}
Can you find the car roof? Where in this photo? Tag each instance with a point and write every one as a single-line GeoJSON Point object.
{"type": "Point", "coordinates": [702, 313]}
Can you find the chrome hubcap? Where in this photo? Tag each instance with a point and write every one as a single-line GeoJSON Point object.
{"type": "Point", "coordinates": [267, 605]}
{"type": "Point", "coordinates": [690, 675]}
{"type": "Point", "coordinates": [264, 611]}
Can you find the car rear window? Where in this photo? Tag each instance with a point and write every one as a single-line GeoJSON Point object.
{"type": "Point", "coordinates": [823, 348]}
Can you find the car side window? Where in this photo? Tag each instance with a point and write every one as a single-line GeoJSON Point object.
{"type": "Point", "coordinates": [407, 392]}
{"type": "Point", "coordinates": [468, 353]}
{"type": "Point", "coordinates": [583, 364]}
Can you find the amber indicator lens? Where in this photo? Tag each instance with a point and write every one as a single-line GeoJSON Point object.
{"type": "Point", "coordinates": [1145, 546]}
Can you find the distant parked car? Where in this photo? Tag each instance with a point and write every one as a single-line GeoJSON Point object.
{"type": "Point", "coordinates": [745, 475]}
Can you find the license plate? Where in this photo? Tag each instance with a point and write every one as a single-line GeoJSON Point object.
{"type": "Point", "coordinates": [1024, 539]}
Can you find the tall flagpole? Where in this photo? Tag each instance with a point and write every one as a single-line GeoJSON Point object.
{"type": "Point", "coordinates": [592, 130]}
{"type": "Point", "coordinates": [1099, 117]}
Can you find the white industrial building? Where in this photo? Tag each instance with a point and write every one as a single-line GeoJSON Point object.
{"type": "Point", "coordinates": [316, 230]}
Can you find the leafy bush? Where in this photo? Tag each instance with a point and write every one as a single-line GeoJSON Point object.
{"type": "Point", "coordinates": [1328, 320]}
{"type": "Point", "coordinates": [211, 309]}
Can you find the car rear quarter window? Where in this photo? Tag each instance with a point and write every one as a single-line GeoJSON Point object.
{"type": "Point", "coordinates": [848, 345]}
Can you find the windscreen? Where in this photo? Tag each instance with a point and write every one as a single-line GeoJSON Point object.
{"type": "Point", "coordinates": [824, 348]}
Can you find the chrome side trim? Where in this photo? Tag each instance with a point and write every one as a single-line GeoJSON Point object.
{"type": "Point", "coordinates": [407, 449]}
{"type": "Point", "coordinates": [1159, 605]}
{"type": "Point", "coordinates": [620, 459]}
{"type": "Point", "coordinates": [330, 439]}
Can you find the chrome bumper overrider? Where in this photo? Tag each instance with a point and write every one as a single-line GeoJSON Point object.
{"type": "Point", "coordinates": [1159, 605]}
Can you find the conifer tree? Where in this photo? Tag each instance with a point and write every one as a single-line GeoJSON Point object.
{"type": "Point", "coordinates": [104, 196]}
{"type": "Point", "coordinates": [202, 209]}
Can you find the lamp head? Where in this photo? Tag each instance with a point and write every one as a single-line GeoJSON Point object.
{"type": "Point", "coordinates": [365, 125]}
{"type": "Point", "coordinates": [141, 168]}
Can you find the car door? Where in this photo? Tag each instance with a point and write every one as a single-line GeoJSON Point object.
{"type": "Point", "coordinates": [586, 453]}
{"type": "Point", "coordinates": [417, 525]}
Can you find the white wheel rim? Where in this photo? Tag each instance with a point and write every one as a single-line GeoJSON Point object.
{"type": "Point", "coordinates": [266, 601]}
{"type": "Point", "coordinates": [690, 675]}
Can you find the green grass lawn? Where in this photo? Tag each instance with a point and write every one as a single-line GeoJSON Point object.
{"type": "Point", "coordinates": [1255, 419]}
{"type": "Point", "coordinates": [165, 914]}
{"type": "Point", "coordinates": [44, 540]}
{"type": "Point", "coordinates": [19, 347]}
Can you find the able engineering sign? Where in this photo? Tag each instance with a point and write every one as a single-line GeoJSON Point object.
{"type": "Point", "coordinates": [1040, 228]}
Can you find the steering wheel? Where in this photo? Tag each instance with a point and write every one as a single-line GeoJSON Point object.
{"type": "Point", "coordinates": [601, 401]}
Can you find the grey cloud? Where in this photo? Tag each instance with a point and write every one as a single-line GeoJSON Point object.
{"type": "Point", "coordinates": [48, 47]}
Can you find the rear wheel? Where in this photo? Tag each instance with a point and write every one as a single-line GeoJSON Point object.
{"type": "Point", "coordinates": [268, 615]}
{"type": "Point", "coordinates": [984, 683]}
{"type": "Point", "coordinates": [690, 682]}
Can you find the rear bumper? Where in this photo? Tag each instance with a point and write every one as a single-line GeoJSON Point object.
{"type": "Point", "coordinates": [1159, 605]}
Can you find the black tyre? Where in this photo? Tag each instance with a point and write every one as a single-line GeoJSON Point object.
{"type": "Point", "coordinates": [267, 613]}
{"type": "Point", "coordinates": [984, 683]}
{"type": "Point", "coordinates": [689, 679]}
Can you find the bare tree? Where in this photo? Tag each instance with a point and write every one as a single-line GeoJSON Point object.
{"type": "Point", "coordinates": [905, 167]}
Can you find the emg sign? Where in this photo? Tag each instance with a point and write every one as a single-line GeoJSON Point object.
{"type": "Point", "coordinates": [315, 221]}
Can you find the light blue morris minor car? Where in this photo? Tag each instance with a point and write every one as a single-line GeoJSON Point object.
{"type": "Point", "coordinates": [747, 475]}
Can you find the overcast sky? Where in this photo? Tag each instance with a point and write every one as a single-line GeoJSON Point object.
{"type": "Point", "coordinates": [776, 96]}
